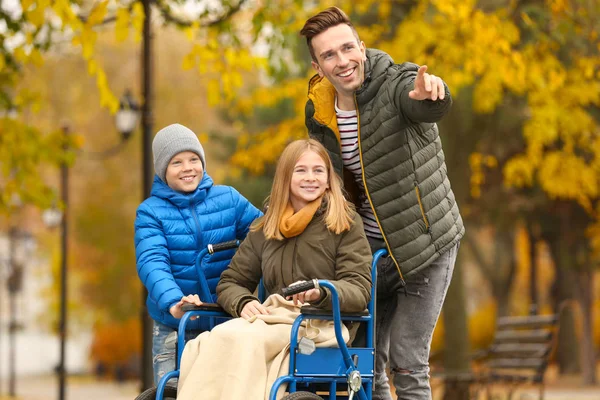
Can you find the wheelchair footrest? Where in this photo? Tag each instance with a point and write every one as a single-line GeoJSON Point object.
{"type": "Point", "coordinates": [328, 361]}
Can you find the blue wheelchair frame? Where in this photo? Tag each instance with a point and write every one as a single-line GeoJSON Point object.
{"type": "Point", "coordinates": [332, 365]}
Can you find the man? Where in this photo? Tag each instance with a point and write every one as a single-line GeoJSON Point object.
{"type": "Point", "coordinates": [377, 120]}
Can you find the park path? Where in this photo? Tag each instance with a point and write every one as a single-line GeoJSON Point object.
{"type": "Point", "coordinates": [78, 388]}
{"type": "Point", "coordinates": [88, 388]}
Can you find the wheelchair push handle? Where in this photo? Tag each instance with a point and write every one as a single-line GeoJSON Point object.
{"type": "Point", "coordinates": [214, 248]}
{"type": "Point", "coordinates": [300, 287]}
{"type": "Point", "coordinates": [204, 307]}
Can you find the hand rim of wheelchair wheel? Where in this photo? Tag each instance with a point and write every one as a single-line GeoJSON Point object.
{"type": "Point", "coordinates": [170, 393]}
{"type": "Point", "coordinates": [302, 396]}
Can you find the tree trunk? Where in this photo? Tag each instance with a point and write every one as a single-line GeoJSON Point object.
{"type": "Point", "coordinates": [567, 353]}
{"type": "Point", "coordinates": [456, 335]}
{"type": "Point", "coordinates": [501, 292]}
{"type": "Point", "coordinates": [500, 270]}
{"type": "Point", "coordinates": [588, 353]}
{"type": "Point", "coordinates": [504, 266]}
{"type": "Point", "coordinates": [533, 232]}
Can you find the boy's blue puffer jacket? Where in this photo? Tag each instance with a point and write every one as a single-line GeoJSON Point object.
{"type": "Point", "coordinates": [172, 229]}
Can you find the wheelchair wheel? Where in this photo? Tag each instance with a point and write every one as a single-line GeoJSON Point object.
{"type": "Point", "coordinates": [150, 394]}
{"type": "Point", "coordinates": [302, 396]}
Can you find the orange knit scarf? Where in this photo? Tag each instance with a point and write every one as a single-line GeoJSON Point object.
{"type": "Point", "coordinates": [294, 224]}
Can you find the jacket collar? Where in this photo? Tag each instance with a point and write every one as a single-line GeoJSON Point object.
{"type": "Point", "coordinates": [322, 93]}
{"type": "Point", "coordinates": [162, 190]}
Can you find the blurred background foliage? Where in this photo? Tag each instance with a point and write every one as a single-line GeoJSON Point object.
{"type": "Point", "coordinates": [522, 141]}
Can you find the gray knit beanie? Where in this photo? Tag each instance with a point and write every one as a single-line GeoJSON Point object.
{"type": "Point", "coordinates": [171, 141]}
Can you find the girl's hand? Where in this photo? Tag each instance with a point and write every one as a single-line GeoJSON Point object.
{"type": "Point", "coordinates": [253, 308]}
{"type": "Point", "coordinates": [176, 310]}
{"type": "Point", "coordinates": [312, 295]}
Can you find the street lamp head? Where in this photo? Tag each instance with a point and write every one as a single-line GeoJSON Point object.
{"type": "Point", "coordinates": [127, 116]}
{"type": "Point", "coordinates": [52, 217]}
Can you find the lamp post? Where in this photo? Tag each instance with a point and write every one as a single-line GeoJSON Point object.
{"type": "Point", "coordinates": [126, 121]}
{"type": "Point", "coordinates": [52, 218]}
{"type": "Point", "coordinates": [147, 176]}
{"type": "Point", "coordinates": [17, 240]}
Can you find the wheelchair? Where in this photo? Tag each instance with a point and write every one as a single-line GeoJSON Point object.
{"type": "Point", "coordinates": [326, 373]}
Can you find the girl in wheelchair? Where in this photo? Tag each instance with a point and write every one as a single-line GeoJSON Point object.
{"type": "Point", "coordinates": [309, 231]}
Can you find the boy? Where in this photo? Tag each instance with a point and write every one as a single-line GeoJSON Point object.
{"type": "Point", "coordinates": [184, 213]}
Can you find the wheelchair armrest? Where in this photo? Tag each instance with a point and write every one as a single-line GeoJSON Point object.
{"type": "Point", "coordinates": [309, 310]}
{"type": "Point", "coordinates": [203, 307]}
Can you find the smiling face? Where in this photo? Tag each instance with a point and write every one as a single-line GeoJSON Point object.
{"type": "Point", "coordinates": [310, 179]}
{"type": "Point", "coordinates": [184, 172]}
{"type": "Point", "coordinates": [340, 58]}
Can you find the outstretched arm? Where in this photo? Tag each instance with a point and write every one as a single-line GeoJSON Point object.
{"type": "Point", "coordinates": [419, 96]}
{"type": "Point", "coordinates": [427, 87]}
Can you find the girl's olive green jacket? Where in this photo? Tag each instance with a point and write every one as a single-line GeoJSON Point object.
{"type": "Point", "coordinates": [343, 259]}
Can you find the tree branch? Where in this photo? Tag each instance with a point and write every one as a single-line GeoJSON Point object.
{"type": "Point", "coordinates": [165, 11]}
{"type": "Point", "coordinates": [107, 20]}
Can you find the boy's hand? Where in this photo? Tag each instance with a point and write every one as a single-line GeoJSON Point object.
{"type": "Point", "coordinates": [176, 310]}
{"type": "Point", "coordinates": [253, 308]}
{"type": "Point", "coordinates": [427, 87]}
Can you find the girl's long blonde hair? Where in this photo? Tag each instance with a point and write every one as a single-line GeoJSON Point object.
{"type": "Point", "coordinates": [338, 213]}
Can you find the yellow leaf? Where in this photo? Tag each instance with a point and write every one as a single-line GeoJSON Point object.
{"type": "Point", "coordinates": [97, 15]}
{"type": "Point", "coordinates": [191, 31]}
{"type": "Point", "coordinates": [213, 92]}
{"type": "Point", "coordinates": [36, 16]}
{"type": "Point", "coordinates": [92, 67]}
{"type": "Point", "coordinates": [137, 20]}
{"type": "Point", "coordinates": [122, 24]}
{"type": "Point", "coordinates": [188, 61]}
{"type": "Point", "coordinates": [36, 57]}
{"type": "Point", "coordinates": [385, 9]}
{"type": "Point", "coordinates": [88, 42]}
{"type": "Point", "coordinates": [78, 140]}
{"type": "Point", "coordinates": [25, 4]}
{"type": "Point", "coordinates": [491, 162]}
{"type": "Point", "coordinates": [20, 55]}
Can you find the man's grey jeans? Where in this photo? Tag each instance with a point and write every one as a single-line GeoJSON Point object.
{"type": "Point", "coordinates": [405, 319]}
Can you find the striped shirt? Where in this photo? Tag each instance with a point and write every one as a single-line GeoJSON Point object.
{"type": "Point", "coordinates": [348, 125]}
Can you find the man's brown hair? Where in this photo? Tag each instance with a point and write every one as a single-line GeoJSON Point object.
{"type": "Point", "coordinates": [324, 20]}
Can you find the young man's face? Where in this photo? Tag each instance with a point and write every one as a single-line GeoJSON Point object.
{"type": "Point", "coordinates": [340, 58]}
{"type": "Point", "coordinates": [184, 172]}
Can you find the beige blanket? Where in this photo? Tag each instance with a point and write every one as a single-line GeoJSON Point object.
{"type": "Point", "coordinates": [241, 359]}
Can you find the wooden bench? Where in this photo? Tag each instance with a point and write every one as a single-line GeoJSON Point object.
{"type": "Point", "coordinates": [518, 355]}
